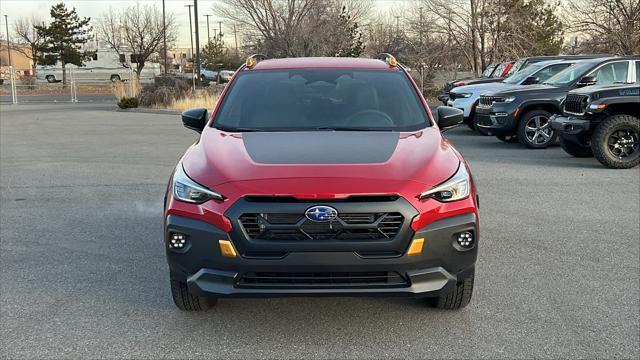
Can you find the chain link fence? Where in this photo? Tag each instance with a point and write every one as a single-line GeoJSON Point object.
{"type": "Point", "coordinates": [72, 84]}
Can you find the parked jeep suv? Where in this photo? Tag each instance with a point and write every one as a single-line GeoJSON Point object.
{"type": "Point", "coordinates": [602, 120]}
{"type": "Point", "coordinates": [321, 176]}
{"type": "Point", "coordinates": [524, 113]}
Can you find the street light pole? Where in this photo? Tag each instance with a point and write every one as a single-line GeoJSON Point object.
{"type": "Point", "coordinates": [6, 22]}
{"type": "Point", "coordinates": [208, 29]}
{"type": "Point", "coordinates": [164, 37]}
{"type": "Point", "coordinates": [195, 19]}
{"type": "Point", "coordinates": [220, 29]}
{"type": "Point", "coordinates": [193, 70]}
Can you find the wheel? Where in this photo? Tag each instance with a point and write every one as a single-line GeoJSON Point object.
{"type": "Point", "coordinates": [616, 142]}
{"type": "Point", "coordinates": [202, 78]}
{"type": "Point", "coordinates": [50, 78]}
{"type": "Point", "coordinates": [115, 78]}
{"type": "Point", "coordinates": [574, 149]}
{"type": "Point", "coordinates": [534, 130]}
{"type": "Point", "coordinates": [508, 138]}
{"type": "Point", "coordinates": [456, 298]}
{"type": "Point", "coordinates": [187, 301]}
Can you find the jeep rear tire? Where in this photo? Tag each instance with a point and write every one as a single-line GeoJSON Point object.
{"type": "Point", "coordinates": [456, 298]}
{"type": "Point", "coordinates": [574, 149]}
{"type": "Point", "coordinates": [534, 130]}
{"type": "Point", "coordinates": [185, 300]}
{"type": "Point", "coordinates": [616, 142]}
{"type": "Point", "coordinates": [50, 79]}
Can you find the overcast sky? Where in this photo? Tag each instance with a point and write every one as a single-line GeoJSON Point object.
{"type": "Point", "coordinates": [94, 8]}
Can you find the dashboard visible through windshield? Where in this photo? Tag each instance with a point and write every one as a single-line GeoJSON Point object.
{"type": "Point", "coordinates": [321, 99]}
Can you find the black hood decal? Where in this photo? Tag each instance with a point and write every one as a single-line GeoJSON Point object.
{"type": "Point", "coordinates": [320, 147]}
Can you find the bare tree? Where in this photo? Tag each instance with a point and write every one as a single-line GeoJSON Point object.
{"type": "Point", "coordinates": [610, 25]}
{"type": "Point", "coordinates": [25, 30]}
{"type": "Point", "coordinates": [137, 29]}
{"type": "Point", "coordinates": [289, 28]}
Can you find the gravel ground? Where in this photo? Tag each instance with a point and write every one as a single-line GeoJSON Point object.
{"type": "Point", "coordinates": [83, 273]}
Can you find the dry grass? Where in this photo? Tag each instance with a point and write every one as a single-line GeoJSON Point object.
{"type": "Point", "coordinates": [123, 89]}
{"type": "Point", "coordinates": [202, 99]}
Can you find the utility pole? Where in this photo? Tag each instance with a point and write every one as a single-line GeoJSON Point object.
{"type": "Point", "coordinates": [6, 22]}
{"type": "Point", "coordinates": [193, 69]}
{"type": "Point", "coordinates": [164, 37]}
{"type": "Point", "coordinates": [397, 25]}
{"type": "Point", "coordinates": [220, 29]}
{"type": "Point", "coordinates": [195, 15]}
{"type": "Point", "coordinates": [215, 34]}
{"type": "Point", "coordinates": [420, 28]}
{"type": "Point", "coordinates": [235, 35]}
{"type": "Point", "coordinates": [208, 29]}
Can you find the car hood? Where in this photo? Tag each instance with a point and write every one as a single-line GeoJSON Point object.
{"type": "Point", "coordinates": [532, 90]}
{"type": "Point", "coordinates": [483, 87]}
{"type": "Point", "coordinates": [331, 162]}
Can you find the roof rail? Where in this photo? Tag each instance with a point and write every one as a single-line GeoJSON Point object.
{"type": "Point", "coordinates": [253, 60]}
{"type": "Point", "coordinates": [389, 59]}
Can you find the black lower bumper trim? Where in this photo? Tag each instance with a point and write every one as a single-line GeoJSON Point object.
{"type": "Point", "coordinates": [211, 282]}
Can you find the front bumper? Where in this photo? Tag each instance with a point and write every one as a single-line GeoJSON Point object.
{"type": "Point", "coordinates": [569, 125]}
{"type": "Point", "coordinates": [201, 265]}
{"type": "Point", "coordinates": [495, 121]}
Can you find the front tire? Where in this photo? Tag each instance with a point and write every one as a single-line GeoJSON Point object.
{"type": "Point", "coordinates": [534, 130]}
{"type": "Point", "coordinates": [115, 78]}
{"type": "Point", "coordinates": [616, 142]}
{"type": "Point", "coordinates": [456, 298]}
{"type": "Point", "coordinates": [574, 149]}
{"type": "Point", "coordinates": [50, 79]}
{"type": "Point", "coordinates": [185, 300]}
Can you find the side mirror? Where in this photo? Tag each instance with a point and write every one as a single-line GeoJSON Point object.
{"type": "Point", "coordinates": [449, 117]}
{"type": "Point", "coordinates": [531, 80]}
{"type": "Point", "coordinates": [195, 119]}
{"type": "Point", "coordinates": [587, 81]}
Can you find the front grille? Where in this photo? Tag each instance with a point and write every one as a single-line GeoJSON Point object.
{"type": "Point", "coordinates": [576, 104]}
{"type": "Point", "coordinates": [486, 100]}
{"type": "Point", "coordinates": [296, 227]}
{"type": "Point", "coordinates": [373, 279]}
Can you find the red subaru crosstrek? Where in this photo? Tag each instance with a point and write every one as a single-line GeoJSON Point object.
{"type": "Point", "coordinates": [321, 177]}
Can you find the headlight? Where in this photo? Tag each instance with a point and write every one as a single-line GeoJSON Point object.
{"type": "Point", "coordinates": [506, 99]}
{"type": "Point", "coordinates": [456, 188]}
{"type": "Point", "coordinates": [187, 190]}
{"type": "Point", "coordinates": [463, 95]}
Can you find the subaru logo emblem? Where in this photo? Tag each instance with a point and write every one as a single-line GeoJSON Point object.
{"type": "Point", "coordinates": [321, 213]}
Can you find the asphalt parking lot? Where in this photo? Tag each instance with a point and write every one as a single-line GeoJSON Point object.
{"type": "Point", "coordinates": [83, 272]}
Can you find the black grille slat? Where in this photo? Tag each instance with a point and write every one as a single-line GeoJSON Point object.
{"type": "Point", "coordinates": [321, 279]}
{"type": "Point", "coordinates": [576, 104]}
{"type": "Point", "coordinates": [348, 226]}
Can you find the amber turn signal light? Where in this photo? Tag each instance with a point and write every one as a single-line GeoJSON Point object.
{"type": "Point", "coordinates": [227, 249]}
{"type": "Point", "coordinates": [416, 247]}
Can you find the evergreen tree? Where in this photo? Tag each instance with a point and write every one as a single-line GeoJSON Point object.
{"type": "Point", "coordinates": [349, 37]}
{"type": "Point", "coordinates": [63, 39]}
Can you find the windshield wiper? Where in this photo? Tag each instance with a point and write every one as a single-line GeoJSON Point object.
{"type": "Point", "coordinates": [346, 128]}
{"type": "Point", "coordinates": [235, 129]}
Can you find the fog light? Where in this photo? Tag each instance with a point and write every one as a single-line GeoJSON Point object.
{"type": "Point", "coordinates": [177, 240]}
{"type": "Point", "coordinates": [465, 239]}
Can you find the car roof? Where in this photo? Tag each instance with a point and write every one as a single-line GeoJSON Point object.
{"type": "Point", "coordinates": [322, 62]}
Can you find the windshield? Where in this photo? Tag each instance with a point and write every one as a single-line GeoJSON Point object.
{"type": "Point", "coordinates": [517, 66]}
{"type": "Point", "coordinates": [518, 77]}
{"type": "Point", "coordinates": [321, 99]}
{"type": "Point", "coordinates": [569, 74]}
{"type": "Point", "coordinates": [499, 70]}
{"type": "Point", "coordinates": [488, 71]}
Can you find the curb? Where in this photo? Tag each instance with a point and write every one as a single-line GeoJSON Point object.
{"type": "Point", "coordinates": [150, 111]}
